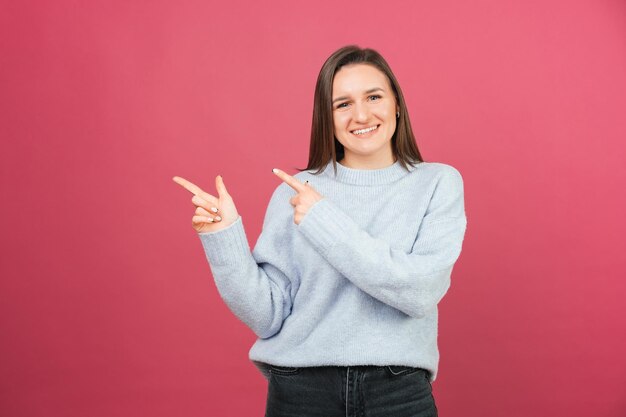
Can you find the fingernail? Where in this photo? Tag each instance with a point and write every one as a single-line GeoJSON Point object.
{"type": "Point", "coordinates": [214, 209]}
{"type": "Point", "coordinates": [218, 218]}
{"type": "Point", "coordinates": [274, 170]}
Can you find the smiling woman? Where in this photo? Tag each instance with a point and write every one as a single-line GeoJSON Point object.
{"type": "Point", "coordinates": [343, 284]}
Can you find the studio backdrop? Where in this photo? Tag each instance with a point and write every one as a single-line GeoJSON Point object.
{"type": "Point", "coordinates": [107, 303]}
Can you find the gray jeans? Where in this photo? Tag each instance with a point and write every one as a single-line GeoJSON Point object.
{"type": "Point", "coordinates": [349, 391]}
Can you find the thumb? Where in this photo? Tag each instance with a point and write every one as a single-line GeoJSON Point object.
{"type": "Point", "coordinates": [221, 188]}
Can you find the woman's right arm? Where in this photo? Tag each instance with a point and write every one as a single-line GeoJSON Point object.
{"type": "Point", "coordinates": [255, 286]}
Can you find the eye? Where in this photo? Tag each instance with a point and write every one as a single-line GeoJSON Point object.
{"type": "Point", "coordinates": [376, 96]}
{"type": "Point", "coordinates": [342, 104]}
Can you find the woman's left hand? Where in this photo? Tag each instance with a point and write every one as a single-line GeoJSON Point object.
{"type": "Point", "coordinates": [304, 200]}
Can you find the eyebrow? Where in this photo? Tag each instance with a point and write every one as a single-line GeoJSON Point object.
{"type": "Point", "coordinates": [371, 90]}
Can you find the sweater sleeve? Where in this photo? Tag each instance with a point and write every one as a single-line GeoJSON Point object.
{"type": "Point", "coordinates": [411, 282]}
{"type": "Point", "coordinates": [255, 285]}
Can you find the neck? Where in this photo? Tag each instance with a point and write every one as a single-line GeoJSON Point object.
{"type": "Point", "coordinates": [369, 163]}
{"type": "Point", "coordinates": [367, 177]}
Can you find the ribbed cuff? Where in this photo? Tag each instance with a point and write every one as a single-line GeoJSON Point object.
{"type": "Point", "coordinates": [325, 225]}
{"type": "Point", "coordinates": [226, 245]}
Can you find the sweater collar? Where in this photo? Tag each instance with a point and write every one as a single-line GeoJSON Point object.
{"type": "Point", "coordinates": [378, 176]}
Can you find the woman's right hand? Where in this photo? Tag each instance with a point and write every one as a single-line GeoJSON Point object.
{"type": "Point", "coordinates": [212, 213]}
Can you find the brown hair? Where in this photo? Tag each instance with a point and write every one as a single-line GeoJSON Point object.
{"type": "Point", "coordinates": [324, 147]}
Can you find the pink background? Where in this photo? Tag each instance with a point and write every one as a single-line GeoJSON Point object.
{"type": "Point", "coordinates": [107, 305]}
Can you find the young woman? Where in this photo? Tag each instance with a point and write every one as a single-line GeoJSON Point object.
{"type": "Point", "coordinates": [355, 254]}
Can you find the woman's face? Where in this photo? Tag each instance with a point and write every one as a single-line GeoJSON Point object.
{"type": "Point", "coordinates": [363, 99]}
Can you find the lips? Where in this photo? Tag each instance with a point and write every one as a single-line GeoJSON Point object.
{"type": "Point", "coordinates": [365, 131]}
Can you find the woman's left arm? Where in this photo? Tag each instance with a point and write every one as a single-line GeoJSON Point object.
{"type": "Point", "coordinates": [411, 282]}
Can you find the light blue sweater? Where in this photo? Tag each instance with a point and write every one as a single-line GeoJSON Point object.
{"type": "Point", "coordinates": [357, 282]}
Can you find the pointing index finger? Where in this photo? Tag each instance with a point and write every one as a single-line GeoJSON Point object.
{"type": "Point", "coordinates": [189, 186]}
{"type": "Point", "coordinates": [291, 181]}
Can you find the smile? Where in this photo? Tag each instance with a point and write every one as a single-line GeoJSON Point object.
{"type": "Point", "coordinates": [363, 131]}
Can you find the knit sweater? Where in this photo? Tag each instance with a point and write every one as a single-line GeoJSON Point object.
{"type": "Point", "coordinates": [358, 280]}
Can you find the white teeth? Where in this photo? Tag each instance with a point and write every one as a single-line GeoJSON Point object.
{"type": "Point", "coordinates": [360, 132]}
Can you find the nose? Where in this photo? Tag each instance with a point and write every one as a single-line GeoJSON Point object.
{"type": "Point", "coordinates": [361, 112]}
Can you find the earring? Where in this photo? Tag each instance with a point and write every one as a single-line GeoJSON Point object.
{"type": "Point", "coordinates": [397, 115]}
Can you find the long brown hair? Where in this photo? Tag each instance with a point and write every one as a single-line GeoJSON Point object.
{"type": "Point", "coordinates": [324, 147]}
